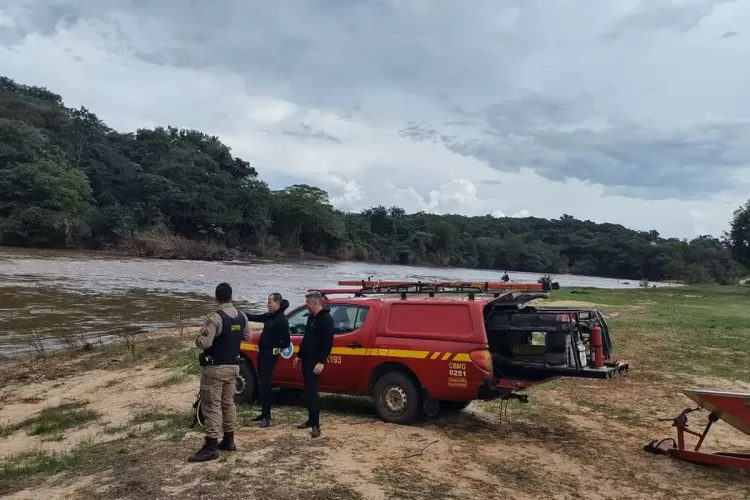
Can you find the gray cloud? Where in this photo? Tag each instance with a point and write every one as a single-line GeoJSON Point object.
{"type": "Point", "coordinates": [654, 15]}
{"type": "Point", "coordinates": [307, 131]}
{"type": "Point", "coordinates": [517, 83]}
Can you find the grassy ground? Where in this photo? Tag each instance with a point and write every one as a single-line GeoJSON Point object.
{"type": "Point", "coordinates": [114, 423]}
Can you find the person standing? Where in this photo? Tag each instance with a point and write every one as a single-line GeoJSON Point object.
{"type": "Point", "coordinates": [314, 349]}
{"type": "Point", "coordinates": [273, 339]}
{"type": "Point", "coordinates": [219, 340]}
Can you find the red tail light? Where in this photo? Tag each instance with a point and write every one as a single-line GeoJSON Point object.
{"type": "Point", "coordinates": [483, 359]}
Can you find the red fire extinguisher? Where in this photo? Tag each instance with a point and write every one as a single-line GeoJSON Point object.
{"type": "Point", "coordinates": [597, 349]}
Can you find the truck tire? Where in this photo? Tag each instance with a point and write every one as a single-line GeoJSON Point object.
{"type": "Point", "coordinates": [453, 406]}
{"type": "Point", "coordinates": [397, 399]}
{"type": "Point", "coordinates": [245, 390]}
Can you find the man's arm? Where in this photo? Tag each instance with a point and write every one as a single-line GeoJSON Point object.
{"type": "Point", "coordinates": [247, 331]}
{"type": "Point", "coordinates": [211, 328]}
{"type": "Point", "coordinates": [326, 339]}
{"type": "Point", "coordinates": [256, 318]}
{"type": "Point", "coordinates": [283, 332]}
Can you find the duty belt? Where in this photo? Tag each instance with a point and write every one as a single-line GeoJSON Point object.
{"type": "Point", "coordinates": [204, 360]}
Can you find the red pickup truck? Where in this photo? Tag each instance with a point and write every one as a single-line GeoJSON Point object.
{"type": "Point", "coordinates": [416, 352]}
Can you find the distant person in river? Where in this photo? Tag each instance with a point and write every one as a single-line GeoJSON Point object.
{"type": "Point", "coordinates": [273, 339]}
{"type": "Point", "coordinates": [219, 341]}
{"type": "Point", "coordinates": [505, 277]}
{"type": "Point", "coordinates": [314, 349]}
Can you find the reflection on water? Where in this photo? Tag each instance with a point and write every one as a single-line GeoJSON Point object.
{"type": "Point", "coordinates": [51, 292]}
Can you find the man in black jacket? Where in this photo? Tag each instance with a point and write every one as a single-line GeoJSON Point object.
{"type": "Point", "coordinates": [273, 339]}
{"type": "Point", "coordinates": [314, 349]}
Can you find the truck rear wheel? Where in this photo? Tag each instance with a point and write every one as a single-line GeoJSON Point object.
{"type": "Point", "coordinates": [397, 398]}
{"type": "Point", "coordinates": [244, 391]}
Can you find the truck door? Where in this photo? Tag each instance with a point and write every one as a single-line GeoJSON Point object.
{"type": "Point", "coordinates": [350, 336]}
{"type": "Point", "coordinates": [343, 369]}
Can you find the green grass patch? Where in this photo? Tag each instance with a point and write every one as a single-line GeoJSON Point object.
{"type": "Point", "coordinates": [172, 424]}
{"type": "Point", "coordinates": [183, 361]}
{"type": "Point", "coordinates": [408, 483]}
{"type": "Point", "coordinates": [55, 420]}
{"type": "Point", "coordinates": [621, 413]}
{"type": "Point", "coordinates": [174, 379]}
{"type": "Point", "coordinates": [34, 463]}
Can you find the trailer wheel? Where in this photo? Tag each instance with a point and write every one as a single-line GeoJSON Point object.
{"type": "Point", "coordinates": [245, 388]}
{"type": "Point", "coordinates": [397, 398]}
{"type": "Point", "coordinates": [453, 406]}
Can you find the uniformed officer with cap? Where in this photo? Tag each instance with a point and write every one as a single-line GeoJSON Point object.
{"type": "Point", "coordinates": [220, 338]}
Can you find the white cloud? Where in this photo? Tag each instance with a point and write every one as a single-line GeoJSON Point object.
{"type": "Point", "coordinates": [333, 120]}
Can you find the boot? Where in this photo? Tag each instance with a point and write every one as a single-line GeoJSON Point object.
{"type": "Point", "coordinates": [315, 432]}
{"type": "Point", "coordinates": [207, 452]}
{"type": "Point", "coordinates": [304, 425]}
{"type": "Point", "coordinates": [227, 442]}
{"type": "Point", "coordinates": [258, 418]}
{"type": "Point", "coordinates": [265, 423]}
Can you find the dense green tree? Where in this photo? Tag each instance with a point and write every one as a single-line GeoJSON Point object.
{"type": "Point", "coordinates": [739, 234]}
{"type": "Point", "coordinates": [67, 179]}
{"type": "Point", "coordinates": [44, 203]}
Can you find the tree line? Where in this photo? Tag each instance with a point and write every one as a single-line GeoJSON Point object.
{"type": "Point", "coordinates": [68, 180]}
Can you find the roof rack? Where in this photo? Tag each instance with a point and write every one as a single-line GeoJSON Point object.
{"type": "Point", "coordinates": [431, 288]}
{"type": "Point", "coordinates": [485, 286]}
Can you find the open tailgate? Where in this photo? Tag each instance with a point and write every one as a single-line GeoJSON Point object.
{"type": "Point", "coordinates": [529, 342]}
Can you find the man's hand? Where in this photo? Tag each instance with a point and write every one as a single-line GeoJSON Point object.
{"type": "Point", "coordinates": [295, 363]}
{"type": "Point", "coordinates": [318, 369]}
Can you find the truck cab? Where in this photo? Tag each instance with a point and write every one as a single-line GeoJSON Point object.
{"type": "Point", "coordinates": [416, 350]}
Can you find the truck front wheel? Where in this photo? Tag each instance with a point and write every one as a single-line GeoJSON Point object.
{"type": "Point", "coordinates": [397, 398]}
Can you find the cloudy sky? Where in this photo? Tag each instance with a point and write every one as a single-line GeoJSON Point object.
{"type": "Point", "coordinates": [627, 111]}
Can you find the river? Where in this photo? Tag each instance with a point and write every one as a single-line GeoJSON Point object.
{"type": "Point", "coordinates": [50, 294]}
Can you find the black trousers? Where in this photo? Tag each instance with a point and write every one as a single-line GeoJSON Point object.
{"type": "Point", "coordinates": [266, 364]}
{"type": "Point", "coordinates": [311, 390]}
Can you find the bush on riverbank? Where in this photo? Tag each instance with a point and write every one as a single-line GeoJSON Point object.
{"type": "Point", "coordinates": [160, 243]}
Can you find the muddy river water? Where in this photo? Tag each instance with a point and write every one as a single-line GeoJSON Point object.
{"type": "Point", "coordinates": [49, 294]}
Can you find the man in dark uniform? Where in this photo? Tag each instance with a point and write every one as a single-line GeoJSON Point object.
{"type": "Point", "coordinates": [314, 349]}
{"type": "Point", "coordinates": [273, 339]}
{"type": "Point", "coordinates": [220, 340]}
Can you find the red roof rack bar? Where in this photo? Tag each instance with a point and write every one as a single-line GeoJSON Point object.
{"type": "Point", "coordinates": [486, 286]}
{"type": "Point", "coordinates": [404, 288]}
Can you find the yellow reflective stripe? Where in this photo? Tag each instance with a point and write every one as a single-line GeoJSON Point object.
{"type": "Point", "coordinates": [354, 351]}
{"type": "Point", "coordinates": [247, 346]}
{"type": "Point", "coordinates": [392, 353]}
